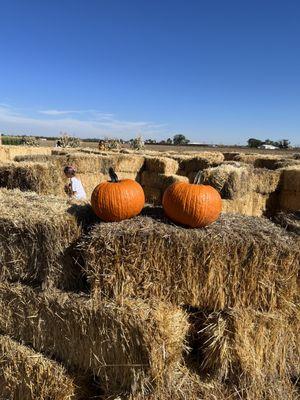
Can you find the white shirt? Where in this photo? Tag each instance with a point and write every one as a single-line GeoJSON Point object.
{"type": "Point", "coordinates": [78, 188]}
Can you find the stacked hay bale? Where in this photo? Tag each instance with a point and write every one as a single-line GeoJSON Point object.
{"type": "Point", "coordinates": [132, 347]}
{"type": "Point", "coordinates": [154, 310]}
{"type": "Point", "coordinates": [44, 174]}
{"type": "Point", "coordinates": [40, 177]}
{"type": "Point", "coordinates": [38, 234]}
{"type": "Point", "coordinates": [238, 280]}
{"type": "Point", "coordinates": [8, 153]}
{"type": "Point", "coordinates": [244, 189]}
{"type": "Point", "coordinates": [160, 172]}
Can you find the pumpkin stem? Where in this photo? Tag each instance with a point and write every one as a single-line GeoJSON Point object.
{"type": "Point", "coordinates": [113, 175]}
{"type": "Point", "coordinates": [198, 178]}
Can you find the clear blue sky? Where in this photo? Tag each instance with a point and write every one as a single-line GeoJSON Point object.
{"type": "Point", "coordinates": [217, 71]}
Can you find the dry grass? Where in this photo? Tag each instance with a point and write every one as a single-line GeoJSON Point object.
{"type": "Point", "coordinates": [238, 260]}
{"type": "Point", "coordinates": [37, 237]}
{"type": "Point", "coordinates": [131, 346]}
{"type": "Point", "coordinates": [27, 375]}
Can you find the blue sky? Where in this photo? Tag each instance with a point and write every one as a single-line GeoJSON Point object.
{"type": "Point", "coordinates": [217, 71]}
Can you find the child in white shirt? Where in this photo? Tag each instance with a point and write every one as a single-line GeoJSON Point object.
{"type": "Point", "coordinates": [74, 189]}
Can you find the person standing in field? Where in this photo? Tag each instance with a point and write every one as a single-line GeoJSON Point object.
{"type": "Point", "coordinates": [74, 188]}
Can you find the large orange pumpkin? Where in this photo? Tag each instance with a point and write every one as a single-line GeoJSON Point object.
{"type": "Point", "coordinates": [116, 199]}
{"type": "Point", "coordinates": [192, 204]}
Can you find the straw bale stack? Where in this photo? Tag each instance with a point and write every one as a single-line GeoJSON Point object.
{"type": "Point", "coordinates": [37, 238]}
{"type": "Point", "coordinates": [161, 165]}
{"type": "Point", "coordinates": [132, 346]}
{"type": "Point", "coordinates": [8, 153]}
{"type": "Point", "coordinates": [27, 375]}
{"type": "Point", "coordinates": [237, 261]}
{"type": "Point", "coordinates": [190, 165]}
{"type": "Point", "coordinates": [232, 182]}
{"type": "Point", "coordinates": [43, 178]}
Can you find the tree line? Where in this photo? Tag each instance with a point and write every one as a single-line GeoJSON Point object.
{"type": "Point", "coordinates": [282, 144]}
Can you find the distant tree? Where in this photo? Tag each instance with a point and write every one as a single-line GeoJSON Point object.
{"type": "Point", "coordinates": [254, 143]}
{"type": "Point", "coordinates": [169, 141]}
{"type": "Point", "coordinates": [150, 141]}
{"type": "Point", "coordinates": [180, 139]}
{"type": "Point", "coordinates": [284, 144]}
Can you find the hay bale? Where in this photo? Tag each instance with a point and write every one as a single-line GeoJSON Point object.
{"type": "Point", "coordinates": [291, 179]}
{"type": "Point", "coordinates": [238, 260]}
{"type": "Point", "coordinates": [247, 348]}
{"type": "Point", "coordinates": [86, 163]}
{"type": "Point", "coordinates": [252, 204]}
{"type": "Point", "coordinates": [27, 375]}
{"type": "Point", "coordinates": [258, 161]}
{"type": "Point", "coordinates": [188, 164]}
{"type": "Point", "coordinates": [162, 165]}
{"type": "Point", "coordinates": [266, 181]}
{"type": "Point", "coordinates": [232, 182]}
{"type": "Point", "coordinates": [153, 195]}
{"type": "Point", "coordinates": [131, 346]}
{"type": "Point", "coordinates": [8, 153]}
{"type": "Point", "coordinates": [160, 181]}
{"type": "Point", "coordinates": [40, 158]}
{"type": "Point", "coordinates": [43, 178]}
{"type": "Point", "coordinates": [37, 238]}
{"type": "Point", "coordinates": [289, 221]}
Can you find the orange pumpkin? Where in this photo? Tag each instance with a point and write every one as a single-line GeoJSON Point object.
{"type": "Point", "coordinates": [192, 204]}
{"type": "Point", "coordinates": [116, 199]}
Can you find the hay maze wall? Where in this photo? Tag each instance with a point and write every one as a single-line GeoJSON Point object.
{"type": "Point", "coordinates": [249, 184]}
{"type": "Point", "coordinates": [145, 309]}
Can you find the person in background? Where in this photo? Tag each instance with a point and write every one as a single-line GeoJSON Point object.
{"type": "Point", "coordinates": [74, 188]}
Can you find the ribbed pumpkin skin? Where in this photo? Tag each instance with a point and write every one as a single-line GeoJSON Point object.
{"type": "Point", "coordinates": [191, 204]}
{"type": "Point", "coordinates": [115, 201]}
